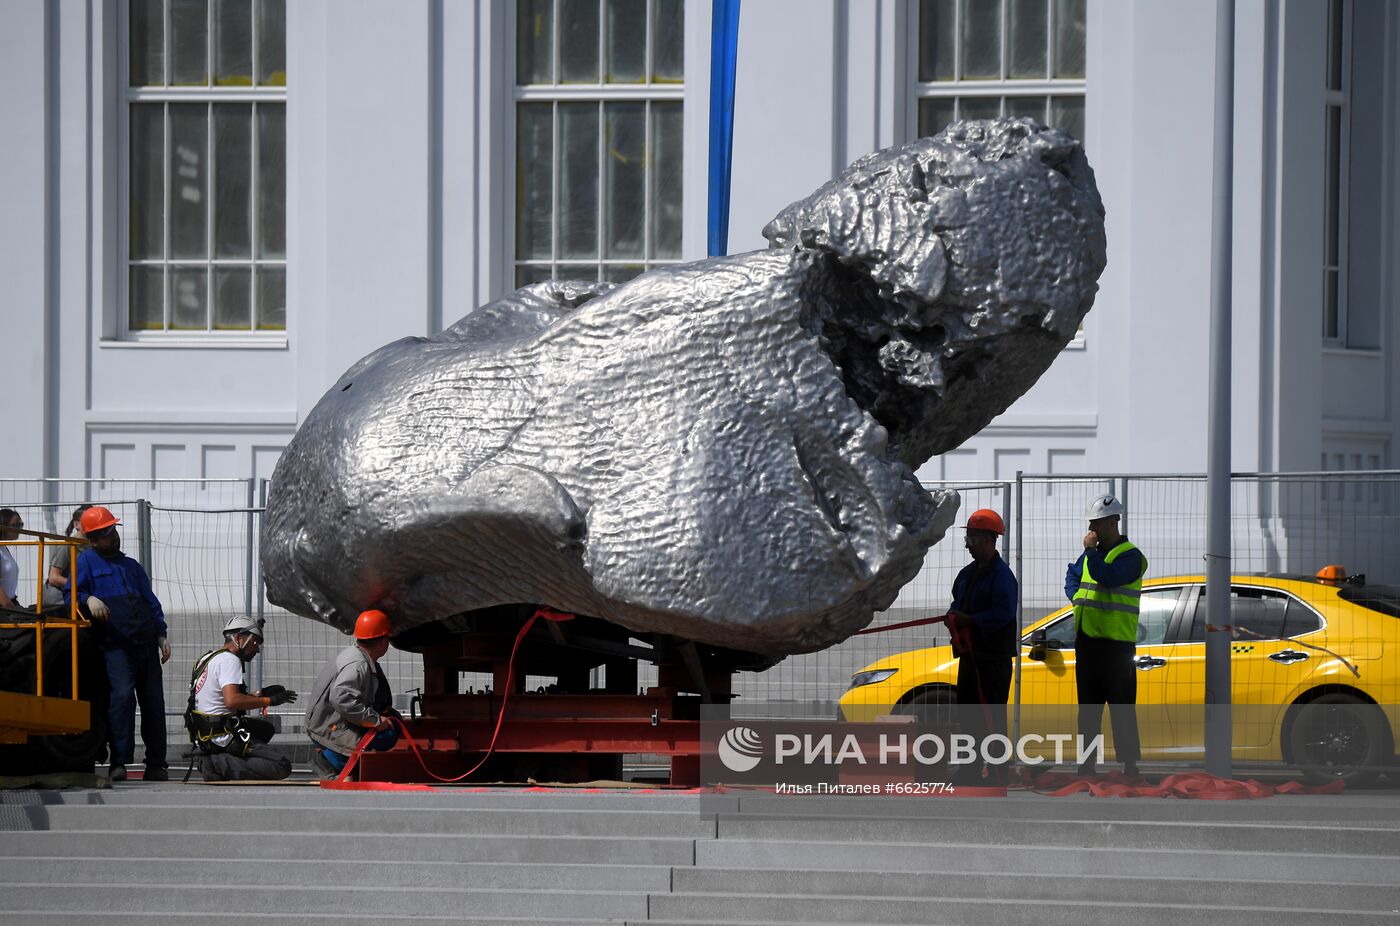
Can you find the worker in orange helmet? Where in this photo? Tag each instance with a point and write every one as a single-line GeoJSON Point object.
{"type": "Point", "coordinates": [352, 696]}
{"type": "Point", "coordinates": [114, 591]}
{"type": "Point", "coordinates": [983, 623]}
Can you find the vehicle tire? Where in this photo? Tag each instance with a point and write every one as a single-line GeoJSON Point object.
{"type": "Point", "coordinates": [932, 706]}
{"type": "Point", "coordinates": [76, 752]}
{"type": "Point", "coordinates": [1338, 737]}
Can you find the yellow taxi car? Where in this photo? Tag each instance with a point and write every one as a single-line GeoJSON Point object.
{"type": "Point", "coordinates": [1314, 671]}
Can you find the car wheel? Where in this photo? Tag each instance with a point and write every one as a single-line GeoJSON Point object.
{"type": "Point", "coordinates": [931, 706]}
{"type": "Point", "coordinates": [1337, 737]}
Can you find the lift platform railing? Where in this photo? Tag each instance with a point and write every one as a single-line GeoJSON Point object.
{"type": "Point", "coordinates": [50, 618]}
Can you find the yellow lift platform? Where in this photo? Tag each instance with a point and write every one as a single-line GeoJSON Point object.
{"type": "Point", "coordinates": [23, 715]}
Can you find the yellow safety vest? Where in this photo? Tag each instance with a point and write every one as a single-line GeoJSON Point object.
{"type": "Point", "coordinates": [1109, 612]}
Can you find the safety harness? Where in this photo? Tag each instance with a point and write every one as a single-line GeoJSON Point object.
{"type": "Point", "coordinates": [204, 729]}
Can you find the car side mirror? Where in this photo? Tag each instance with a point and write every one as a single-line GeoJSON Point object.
{"type": "Point", "coordinates": [1036, 641]}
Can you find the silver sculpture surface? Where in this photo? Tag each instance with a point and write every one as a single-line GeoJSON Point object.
{"type": "Point", "coordinates": [721, 450]}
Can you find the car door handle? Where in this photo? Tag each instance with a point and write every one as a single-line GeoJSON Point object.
{"type": "Point", "coordinates": [1149, 662]}
{"type": "Point", "coordinates": [1288, 656]}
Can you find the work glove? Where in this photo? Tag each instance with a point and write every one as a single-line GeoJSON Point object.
{"type": "Point", "coordinates": [277, 694]}
{"type": "Point", "coordinates": [98, 610]}
{"type": "Point", "coordinates": [164, 646]}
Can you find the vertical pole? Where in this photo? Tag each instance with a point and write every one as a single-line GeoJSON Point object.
{"type": "Point", "coordinates": [143, 524]}
{"type": "Point", "coordinates": [1217, 695]}
{"type": "Point", "coordinates": [248, 551]}
{"type": "Point", "coordinates": [257, 667]}
{"type": "Point", "coordinates": [1127, 509]}
{"type": "Point", "coordinates": [1020, 601]}
{"type": "Point", "coordinates": [724, 53]}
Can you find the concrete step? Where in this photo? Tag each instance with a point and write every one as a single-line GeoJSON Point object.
{"type": "Point", "coordinates": [280, 844]}
{"type": "Point", "coordinates": [159, 896]}
{"type": "Point", "coordinates": [767, 908]}
{"type": "Point", "coordinates": [1242, 837]}
{"type": "Point", "coordinates": [1061, 861]}
{"type": "Point", "coordinates": [101, 918]}
{"type": "Point", "coordinates": [242, 795]}
{"type": "Point", "coordinates": [1381, 810]}
{"type": "Point", "coordinates": [965, 884]}
{"type": "Point", "coordinates": [381, 821]}
{"type": "Point", "coordinates": [389, 872]}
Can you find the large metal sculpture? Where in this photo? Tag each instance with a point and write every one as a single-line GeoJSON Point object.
{"type": "Point", "coordinates": [723, 451]}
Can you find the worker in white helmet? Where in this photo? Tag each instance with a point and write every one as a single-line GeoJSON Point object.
{"type": "Point", "coordinates": [1105, 585]}
{"type": "Point", "coordinates": [231, 745]}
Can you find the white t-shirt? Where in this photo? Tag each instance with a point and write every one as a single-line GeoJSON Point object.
{"type": "Point", "coordinates": [9, 572]}
{"type": "Point", "coordinates": [223, 669]}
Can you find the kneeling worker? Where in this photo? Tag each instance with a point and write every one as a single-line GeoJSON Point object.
{"type": "Point", "coordinates": [351, 697]}
{"type": "Point", "coordinates": [234, 746]}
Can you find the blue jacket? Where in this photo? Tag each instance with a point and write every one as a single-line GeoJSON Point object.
{"type": "Point", "coordinates": [124, 587]}
{"type": "Point", "coordinates": [1126, 568]}
{"type": "Point", "coordinates": [988, 595]}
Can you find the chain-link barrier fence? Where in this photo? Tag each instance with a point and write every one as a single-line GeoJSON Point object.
{"type": "Point", "coordinates": [198, 539]}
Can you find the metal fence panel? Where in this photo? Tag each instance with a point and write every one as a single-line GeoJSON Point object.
{"type": "Point", "coordinates": [198, 539]}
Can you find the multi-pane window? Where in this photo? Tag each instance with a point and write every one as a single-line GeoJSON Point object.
{"type": "Point", "coordinates": [205, 133]}
{"type": "Point", "coordinates": [979, 59]}
{"type": "Point", "coordinates": [597, 137]}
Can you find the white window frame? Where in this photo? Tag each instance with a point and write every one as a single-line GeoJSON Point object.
{"type": "Point", "coordinates": [989, 87]}
{"type": "Point", "coordinates": [645, 91]}
{"type": "Point", "coordinates": [125, 336]}
{"type": "Point", "coordinates": [984, 88]}
{"type": "Point", "coordinates": [1340, 101]}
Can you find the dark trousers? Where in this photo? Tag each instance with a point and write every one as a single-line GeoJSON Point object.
{"type": "Point", "coordinates": [1105, 673]}
{"type": "Point", "coordinates": [983, 684]}
{"type": "Point", "coordinates": [259, 763]}
{"type": "Point", "coordinates": [262, 763]}
{"type": "Point", "coordinates": [134, 674]}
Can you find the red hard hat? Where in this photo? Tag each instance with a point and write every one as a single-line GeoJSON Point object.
{"type": "Point", "coordinates": [96, 518]}
{"type": "Point", "coordinates": [371, 624]}
{"type": "Point", "coordinates": [985, 519]}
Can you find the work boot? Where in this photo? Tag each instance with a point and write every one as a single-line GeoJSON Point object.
{"type": "Point", "coordinates": [116, 772]}
{"type": "Point", "coordinates": [156, 773]}
{"type": "Point", "coordinates": [322, 766]}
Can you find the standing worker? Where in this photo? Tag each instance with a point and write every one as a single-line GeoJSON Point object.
{"type": "Point", "coordinates": [62, 562]}
{"type": "Point", "coordinates": [114, 592]}
{"type": "Point", "coordinates": [983, 619]}
{"type": "Point", "coordinates": [1105, 584]}
{"type": "Point", "coordinates": [352, 696]}
{"type": "Point", "coordinates": [10, 523]}
{"type": "Point", "coordinates": [233, 746]}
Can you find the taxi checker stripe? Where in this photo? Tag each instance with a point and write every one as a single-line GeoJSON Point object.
{"type": "Point", "coordinates": [1122, 590]}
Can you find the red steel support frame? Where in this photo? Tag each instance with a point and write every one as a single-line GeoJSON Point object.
{"type": "Point", "coordinates": [573, 735]}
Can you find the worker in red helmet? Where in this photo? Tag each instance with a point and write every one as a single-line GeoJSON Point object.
{"type": "Point", "coordinates": [114, 592]}
{"type": "Point", "coordinates": [983, 618]}
{"type": "Point", "coordinates": [352, 696]}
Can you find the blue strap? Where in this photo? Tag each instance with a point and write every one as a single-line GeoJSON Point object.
{"type": "Point", "coordinates": [724, 49]}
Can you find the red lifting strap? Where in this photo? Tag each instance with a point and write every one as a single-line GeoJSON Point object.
{"type": "Point", "coordinates": [342, 782]}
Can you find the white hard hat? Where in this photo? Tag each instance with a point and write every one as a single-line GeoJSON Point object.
{"type": "Point", "coordinates": [241, 623]}
{"type": "Point", "coordinates": [1105, 506]}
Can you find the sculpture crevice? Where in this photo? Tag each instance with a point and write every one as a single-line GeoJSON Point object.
{"type": "Point", "coordinates": [723, 451]}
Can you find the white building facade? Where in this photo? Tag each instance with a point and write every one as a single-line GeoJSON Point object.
{"type": "Point", "coordinates": [213, 207]}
